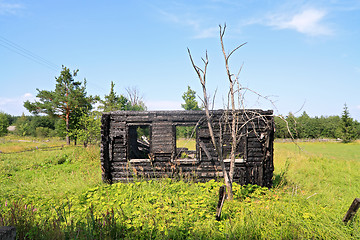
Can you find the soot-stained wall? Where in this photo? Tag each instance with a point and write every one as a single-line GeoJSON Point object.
{"type": "Point", "coordinates": [143, 145]}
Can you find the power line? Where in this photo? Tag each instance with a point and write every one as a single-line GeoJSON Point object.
{"type": "Point", "coordinates": [6, 43]}
{"type": "Point", "coordinates": [26, 51]}
{"type": "Point", "coordinates": [28, 57]}
{"type": "Point", "coordinates": [27, 54]}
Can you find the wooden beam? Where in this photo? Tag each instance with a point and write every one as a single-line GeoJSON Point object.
{"type": "Point", "coordinates": [222, 197]}
{"type": "Point", "coordinates": [352, 210]}
{"type": "Point", "coordinates": [202, 145]}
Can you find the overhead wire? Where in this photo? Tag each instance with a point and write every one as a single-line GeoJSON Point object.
{"type": "Point", "coordinates": [6, 43]}
{"type": "Point", "coordinates": [27, 54]}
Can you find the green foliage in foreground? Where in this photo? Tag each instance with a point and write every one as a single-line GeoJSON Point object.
{"type": "Point", "coordinates": [64, 199]}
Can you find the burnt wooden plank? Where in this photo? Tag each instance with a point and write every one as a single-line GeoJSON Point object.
{"type": "Point", "coordinates": [141, 174]}
{"type": "Point", "coordinates": [254, 143]}
{"type": "Point", "coordinates": [167, 141]}
{"type": "Point", "coordinates": [120, 164]}
{"type": "Point", "coordinates": [255, 152]}
{"type": "Point", "coordinates": [204, 148]}
{"type": "Point", "coordinates": [124, 180]}
{"type": "Point", "coordinates": [119, 149]}
{"type": "Point", "coordinates": [119, 159]}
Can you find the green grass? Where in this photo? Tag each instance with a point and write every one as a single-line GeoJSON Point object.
{"type": "Point", "coordinates": [59, 195]}
{"type": "Point", "coordinates": [186, 143]}
{"type": "Point", "coordinates": [49, 174]}
{"type": "Point", "coordinates": [12, 143]}
{"type": "Point", "coordinates": [331, 150]}
{"type": "Point", "coordinates": [327, 173]}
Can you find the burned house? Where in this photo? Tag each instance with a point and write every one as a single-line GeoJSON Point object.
{"type": "Point", "coordinates": [144, 145]}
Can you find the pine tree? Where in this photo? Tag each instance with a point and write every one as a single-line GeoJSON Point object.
{"type": "Point", "coordinates": [190, 100]}
{"type": "Point", "coordinates": [66, 101]}
{"type": "Point", "coordinates": [347, 126]}
{"type": "Point", "coordinates": [114, 102]}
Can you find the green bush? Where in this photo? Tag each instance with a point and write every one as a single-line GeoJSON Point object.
{"type": "Point", "coordinates": [23, 127]}
{"type": "Point", "coordinates": [42, 132]}
{"type": "Point", "coordinates": [4, 123]}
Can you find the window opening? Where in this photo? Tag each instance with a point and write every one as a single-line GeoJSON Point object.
{"type": "Point", "coordinates": [139, 142]}
{"type": "Point", "coordinates": [186, 143]}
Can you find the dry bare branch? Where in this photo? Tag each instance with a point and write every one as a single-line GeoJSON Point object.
{"type": "Point", "coordinates": [236, 122]}
{"type": "Point", "coordinates": [217, 146]}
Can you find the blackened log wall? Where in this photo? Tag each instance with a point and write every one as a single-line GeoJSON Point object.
{"type": "Point", "coordinates": [119, 145]}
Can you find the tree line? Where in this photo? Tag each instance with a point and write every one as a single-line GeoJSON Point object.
{"type": "Point", "coordinates": [70, 114]}
{"type": "Point", "coordinates": [305, 127]}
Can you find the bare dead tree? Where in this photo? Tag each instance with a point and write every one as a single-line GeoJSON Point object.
{"type": "Point", "coordinates": [201, 73]}
{"type": "Point", "coordinates": [232, 81]}
{"type": "Point", "coordinates": [135, 98]}
{"type": "Point", "coordinates": [235, 121]}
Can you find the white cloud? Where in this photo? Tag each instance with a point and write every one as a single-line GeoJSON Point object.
{"type": "Point", "coordinates": [308, 22]}
{"type": "Point", "coordinates": [189, 21]}
{"type": "Point", "coordinates": [28, 95]}
{"type": "Point", "coordinates": [184, 20]}
{"type": "Point", "coordinates": [207, 33]}
{"type": "Point", "coordinates": [9, 8]}
{"type": "Point", "coordinates": [14, 106]}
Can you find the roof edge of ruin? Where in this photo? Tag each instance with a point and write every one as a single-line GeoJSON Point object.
{"type": "Point", "coordinates": [186, 112]}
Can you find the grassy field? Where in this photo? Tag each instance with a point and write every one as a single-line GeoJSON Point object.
{"type": "Point", "coordinates": [13, 144]}
{"type": "Point", "coordinates": [58, 194]}
{"type": "Point", "coordinates": [186, 143]}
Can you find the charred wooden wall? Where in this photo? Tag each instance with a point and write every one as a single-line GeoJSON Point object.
{"type": "Point", "coordinates": [120, 157]}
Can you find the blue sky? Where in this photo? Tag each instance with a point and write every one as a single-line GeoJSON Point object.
{"type": "Point", "coordinates": [305, 55]}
